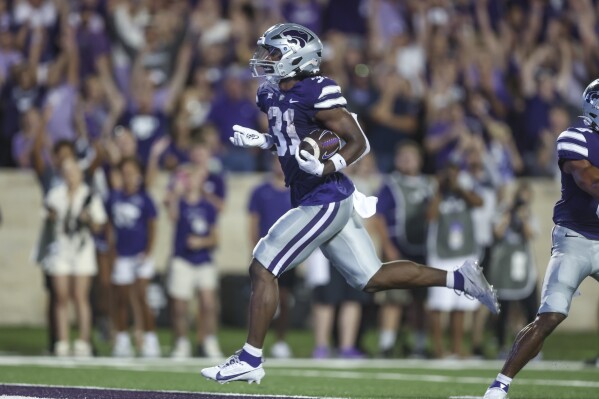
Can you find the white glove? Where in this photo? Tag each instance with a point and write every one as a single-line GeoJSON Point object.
{"type": "Point", "coordinates": [308, 164]}
{"type": "Point", "coordinates": [246, 138]}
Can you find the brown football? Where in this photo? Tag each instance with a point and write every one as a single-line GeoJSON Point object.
{"type": "Point", "coordinates": [321, 143]}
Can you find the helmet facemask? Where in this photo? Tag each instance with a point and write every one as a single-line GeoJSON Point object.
{"type": "Point", "coordinates": [264, 61]}
{"type": "Point", "coordinates": [590, 105]}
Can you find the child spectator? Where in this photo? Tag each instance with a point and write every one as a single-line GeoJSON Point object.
{"type": "Point", "coordinates": [192, 268]}
{"type": "Point", "coordinates": [133, 217]}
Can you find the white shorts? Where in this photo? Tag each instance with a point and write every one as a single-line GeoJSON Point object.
{"type": "Point", "coordinates": [185, 278]}
{"type": "Point", "coordinates": [127, 269]}
{"type": "Point", "coordinates": [573, 258]}
{"type": "Point", "coordinates": [336, 228]}
{"type": "Point", "coordinates": [72, 261]}
{"type": "Point", "coordinates": [445, 299]}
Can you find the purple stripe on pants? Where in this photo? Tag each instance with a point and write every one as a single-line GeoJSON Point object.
{"type": "Point", "coordinates": [304, 245]}
{"type": "Point", "coordinates": [302, 232]}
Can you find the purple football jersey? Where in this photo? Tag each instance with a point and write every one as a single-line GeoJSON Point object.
{"type": "Point", "coordinates": [129, 215]}
{"type": "Point", "coordinates": [576, 209]}
{"type": "Point", "coordinates": [291, 117]}
{"type": "Point", "coordinates": [269, 203]}
{"type": "Point", "coordinates": [194, 219]}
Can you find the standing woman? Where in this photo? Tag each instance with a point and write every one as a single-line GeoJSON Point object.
{"type": "Point", "coordinates": [133, 217]}
{"type": "Point", "coordinates": [77, 212]}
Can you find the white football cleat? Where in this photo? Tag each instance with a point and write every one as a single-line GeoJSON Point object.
{"type": "Point", "coordinates": [495, 393]}
{"type": "Point", "coordinates": [476, 285]}
{"type": "Point", "coordinates": [234, 369]}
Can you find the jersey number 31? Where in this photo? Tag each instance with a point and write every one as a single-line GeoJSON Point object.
{"type": "Point", "coordinates": [286, 135]}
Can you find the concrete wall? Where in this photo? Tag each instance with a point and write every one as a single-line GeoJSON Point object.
{"type": "Point", "coordinates": [22, 295]}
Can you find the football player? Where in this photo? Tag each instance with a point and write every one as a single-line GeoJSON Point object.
{"type": "Point", "coordinates": [573, 249]}
{"type": "Point", "coordinates": [326, 208]}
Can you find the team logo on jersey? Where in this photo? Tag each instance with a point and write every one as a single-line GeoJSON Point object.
{"type": "Point", "coordinates": [297, 37]}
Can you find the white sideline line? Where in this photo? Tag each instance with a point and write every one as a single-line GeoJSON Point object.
{"type": "Point", "coordinates": [336, 364]}
{"type": "Point", "coordinates": [427, 378]}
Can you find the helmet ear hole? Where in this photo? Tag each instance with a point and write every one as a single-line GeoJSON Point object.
{"type": "Point", "coordinates": [296, 61]}
{"type": "Point", "coordinates": [593, 115]}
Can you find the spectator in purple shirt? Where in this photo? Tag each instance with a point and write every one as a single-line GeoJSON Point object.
{"type": "Point", "coordinates": [61, 97]}
{"type": "Point", "coordinates": [192, 269]}
{"type": "Point", "coordinates": [150, 107]}
{"type": "Point", "coordinates": [447, 134]}
{"type": "Point", "coordinates": [304, 12]}
{"type": "Point", "coordinates": [347, 16]}
{"type": "Point", "coordinates": [232, 107]}
{"type": "Point", "coordinates": [132, 214]}
{"type": "Point", "coordinates": [18, 95]}
{"type": "Point", "coordinates": [98, 108]}
{"type": "Point", "coordinates": [23, 142]}
{"type": "Point", "coordinates": [92, 42]}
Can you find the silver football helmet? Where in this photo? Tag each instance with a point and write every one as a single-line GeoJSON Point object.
{"type": "Point", "coordinates": [590, 105]}
{"type": "Point", "coordinates": [286, 50]}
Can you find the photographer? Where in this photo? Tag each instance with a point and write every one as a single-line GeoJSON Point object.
{"type": "Point", "coordinates": [76, 212]}
{"type": "Point", "coordinates": [451, 240]}
{"type": "Point", "coordinates": [512, 270]}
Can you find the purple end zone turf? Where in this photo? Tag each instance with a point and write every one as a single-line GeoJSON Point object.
{"type": "Point", "coordinates": [96, 393]}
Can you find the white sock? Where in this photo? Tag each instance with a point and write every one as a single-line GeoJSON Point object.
{"type": "Point", "coordinates": [449, 282]}
{"type": "Point", "coordinates": [504, 379]}
{"type": "Point", "coordinates": [387, 339]}
{"type": "Point", "coordinates": [252, 350]}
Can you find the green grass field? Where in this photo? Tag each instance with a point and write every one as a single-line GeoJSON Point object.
{"type": "Point", "coordinates": [561, 375]}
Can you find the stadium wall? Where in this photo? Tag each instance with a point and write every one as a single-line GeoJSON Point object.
{"type": "Point", "coordinates": [22, 295]}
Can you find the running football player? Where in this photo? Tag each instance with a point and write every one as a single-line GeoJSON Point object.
{"type": "Point", "coordinates": [574, 249]}
{"type": "Point", "coordinates": [326, 208]}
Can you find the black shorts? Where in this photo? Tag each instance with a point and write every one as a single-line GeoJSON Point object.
{"type": "Point", "coordinates": [337, 290]}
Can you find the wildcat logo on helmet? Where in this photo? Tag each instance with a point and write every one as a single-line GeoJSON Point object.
{"type": "Point", "coordinates": [294, 36]}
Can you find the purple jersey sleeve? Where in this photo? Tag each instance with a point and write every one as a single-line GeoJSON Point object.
{"type": "Point", "coordinates": [572, 144]}
{"type": "Point", "coordinates": [324, 93]}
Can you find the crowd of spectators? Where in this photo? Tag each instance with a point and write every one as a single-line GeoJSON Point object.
{"type": "Point", "coordinates": [440, 72]}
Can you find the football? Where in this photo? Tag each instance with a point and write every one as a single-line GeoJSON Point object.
{"type": "Point", "coordinates": [321, 143]}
